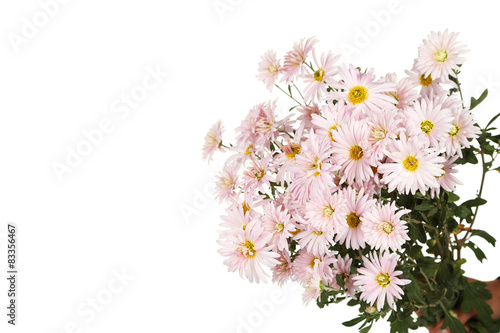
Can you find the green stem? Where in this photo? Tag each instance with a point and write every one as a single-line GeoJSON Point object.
{"type": "Point", "coordinates": [289, 95]}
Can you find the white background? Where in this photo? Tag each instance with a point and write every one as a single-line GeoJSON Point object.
{"type": "Point", "coordinates": [120, 208]}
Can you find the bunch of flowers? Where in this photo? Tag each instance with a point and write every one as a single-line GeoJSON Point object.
{"type": "Point", "coordinates": [351, 193]}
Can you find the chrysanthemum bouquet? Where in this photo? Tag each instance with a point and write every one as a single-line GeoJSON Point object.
{"type": "Point", "coordinates": [351, 193]}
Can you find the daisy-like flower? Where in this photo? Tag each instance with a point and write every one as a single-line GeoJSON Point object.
{"type": "Point", "coordinates": [351, 150]}
{"type": "Point", "coordinates": [314, 171]}
{"type": "Point", "coordinates": [315, 240]}
{"type": "Point", "coordinates": [257, 174]}
{"type": "Point", "coordinates": [342, 267]}
{"type": "Point", "coordinates": [305, 264]}
{"type": "Point", "coordinates": [269, 68]}
{"type": "Point", "coordinates": [429, 119]}
{"type": "Point", "coordinates": [447, 180]}
{"type": "Point", "coordinates": [384, 228]}
{"type": "Point", "coordinates": [440, 55]}
{"type": "Point", "coordinates": [313, 288]}
{"type": "Point", "coordinates": [334, 116]}
{"type": "Point", "coordinates": [278, 222]}
{"type": "Point", "coordinates": [462, 129]}
{"type": "Point", "coordinates": [349, 231]}
{"type": "Point", "coordinates": [378, 280]}
{"type": "Point", "coordinates": [383, 129]}
{"type": "Point", "coordinates": [266, 125]}
{"type": "Point", "coordinates": [427, 83]}
{"type": "Point", "coordinates": [283, 270]}
{"type": "Point", "coordinates": [227, 182]}
{"type": "Point", "coordinates": [326, 209]}
{"type": "Point", "coordinates": [294, 59]}
{"type": "Point", "coordinates": [362, 91]}
{"type": "Point", "coordinates": [248, 252]}
{"type": "Point", "coordinates": [317, 81]}
{"type": "Point", "coordinates": [213, 141]}
{"type": "Point", "coordinates": [237, 219]}
{"type": "Point", "coordinates": [405, 93]}
{"type": "Point", "coordinates": [412, 166]}
{"type": "Point", "coordinates": [307, 112]}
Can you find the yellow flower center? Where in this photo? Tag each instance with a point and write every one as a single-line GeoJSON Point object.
{"type": "Point", "coordinates": [278, 227]}
{"type": "Point", "coordinates": [426, 126]}
{"type": "Point", "coordinates": [273, 69]}
{"type": "Point", "coordinates": [246, 207]}
{"type": "Point", "coordinates": [410, 163]}
{"type": "Point", "coordinates": [260, 174]}
{"type": "Point", "coordinates": [319, 74]}
{"type": "Point", "coordinates": [379, 133]}
{"type": "Point", "coordinates": [425, 81]}
{"type": "Point", "coordinates": [328, 211]}
{"type": "Point", "coordinates": [356, 152]}
{"type": "Point", "coordinates": [454, 130]}
{"type": "Point", "coordinates": [318, 233]}
{"type": "Point", "coordinates": [292, 151]}
{"type": "Point", "coordinates": [441, 56]}
{"type": "Point", "coordinates": [386, 227]}
{"type": "Point", "coordinates": [358, 94]}
{"type": "Point", "coordinates": [383, 279]}
{"type": "Point", "coordinates": [247, 249]}
{"type": "Point", "coordinates": [353, 220]}
{"type": "Point", "coordinates": [247, 152]}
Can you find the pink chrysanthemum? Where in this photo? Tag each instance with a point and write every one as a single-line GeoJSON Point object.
{"type": "Point", "coordinates": [307, 112]}
{"type": "Point", "coordinates": [256, 176]}
{"type": "Point", "coordinates": [283, 270]}
{"type": "Point", "coordinates": [317, 81]}
{"type": "Point", "coordinates": [314, 171]}
{"type": "Point", "coordinates": [440, 55]}
{"type": "Point", "coordinates": [227, 183]}
{"type": "Point", "coordinates": [447, 180]}
{"type": "Point", "coordinates": [248, 252]}
{"type": "Point", "coordinates": [213, 141]}
{"type": "Point", "coordinates": [378, 280]}
{"type": "Point", "coordinates": [412, 166]}
{"type": "Point", "coordinates": [427, 83]}
{"type": "Point", "coordinates": [294, 59]}
{"type": "Point", "coordinates": [349, 230]}
{"type": "Point", "coordinates": [269, 69]}
{"type": "Point", "coordinates": [315, 240]}
{"type": "Point", "coordinates": [362, 91]}
{"type": "Point", "coordinates": [405, 94]}
{"type": "Point", "coordinates": [334, 116]}
{"type": "Point", "coordinates": [342, 267]}
{"type": "Point", "coordinates": [325, 209]}
{"type": "Point", "coordinates": [351, 150]}
{"type": "Point", "coordinates": [384, 228]}
{"type": "Point", "coordinates": [278, 222]}
{"type": "Point", "coordinates": [305, 264]}
{"type": "Point", "coordinates": [313, 289]}
{"type": "Point", "coordinates": [429, 119]}
{"type": "Point", "coordinates": [285, 160]}
{"type": "Point", "coordinates": [383, 129]}
{"type": "Point", "coordinates": [462, 129]}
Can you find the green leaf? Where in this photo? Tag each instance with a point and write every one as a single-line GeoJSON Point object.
{"type": "Point", "coordinates": [473, 297]}
{"type": "Point", "coordinates": [354, 321]}
{"type": "Point", "coordinates": [477, 251]}
{"type": "Point", "coordinates": [486, 236]}
{"type": "Point", "coordinates": [453, 323]}
{"type": "Point", "coordinates": [475, 202]}
{"type": "Point", "coordinates": [475, 102]}
{"type": "Point", "coordinates": [424, 207]}
{"type": "Point", "coordinates": [452, 197]}
{"type": "Point", "coordinates": [416, 231]}
{"type": "Point", "coordinates": [492, 120]}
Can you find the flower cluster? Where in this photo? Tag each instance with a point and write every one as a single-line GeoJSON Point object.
{"type": "Point", "coordinates": [312, 196]}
